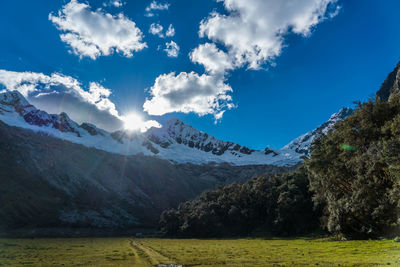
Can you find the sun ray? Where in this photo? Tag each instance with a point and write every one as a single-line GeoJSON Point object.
{"type": "Point", "coordinates": [133, 122]}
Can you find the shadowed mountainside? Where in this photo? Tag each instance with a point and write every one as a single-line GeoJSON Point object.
{"type": "Point", "coordinates": [49, 182]}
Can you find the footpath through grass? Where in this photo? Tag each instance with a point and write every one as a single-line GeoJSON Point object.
{"type": "Point", "coordinates": [195, 252]}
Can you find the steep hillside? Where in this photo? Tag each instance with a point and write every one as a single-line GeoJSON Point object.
{"type": "Point", "coordinates": [49, 182]}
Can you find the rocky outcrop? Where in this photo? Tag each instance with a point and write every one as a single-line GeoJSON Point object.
{"type": "Point", "coordinates": [391, 85]}
{"type": "Point", "coordinates": [176, 131]}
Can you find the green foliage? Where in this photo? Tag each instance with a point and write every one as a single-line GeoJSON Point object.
{"type": "Point", "coordinates": [278, 204]}
{"type": "Point", "coordinates": [396, 239]}
{"type": "Point", "coordinates": [360, 185]}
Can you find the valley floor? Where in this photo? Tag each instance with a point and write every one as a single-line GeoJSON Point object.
{"type": "Point", "coordinates": [195, 252]}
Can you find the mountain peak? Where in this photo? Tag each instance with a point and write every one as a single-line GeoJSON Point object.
{"type": "Point", "coordinates": [341, 114]}
{"type": "Point", "coordinates": [302, 144]}
{"type": "Point", "coordinates": [174, 121]}
{"type": "Point", "coordinates": [13, 98]}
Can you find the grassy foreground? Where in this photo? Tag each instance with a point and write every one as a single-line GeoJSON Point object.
{"type": "Point", "coordinates": [195, 252]}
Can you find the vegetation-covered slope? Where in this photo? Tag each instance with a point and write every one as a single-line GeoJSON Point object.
{"type": "Point", "coordinates": [277, 204]}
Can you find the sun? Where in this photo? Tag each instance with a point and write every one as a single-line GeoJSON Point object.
{"type": "Point", "coordinates": [133, 122]}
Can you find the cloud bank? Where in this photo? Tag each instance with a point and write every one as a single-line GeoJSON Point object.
{"type": "Point", "coordinates": [251, 33]}
{"type": "Point", "coordinates": [96, 33]}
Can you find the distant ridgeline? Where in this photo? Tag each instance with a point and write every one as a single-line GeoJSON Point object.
{"type": "Point", "coordinates": [349, 185]}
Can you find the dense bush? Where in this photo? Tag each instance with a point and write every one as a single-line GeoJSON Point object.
{"type": "Point", "coordinates": [277, 204]}
{"type": "Point", "coordinates": [355, 171]}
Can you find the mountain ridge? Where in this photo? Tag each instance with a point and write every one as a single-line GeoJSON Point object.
{"type": "Point", "coordinates": [175, 141]}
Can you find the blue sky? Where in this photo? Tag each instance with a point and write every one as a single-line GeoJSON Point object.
{"type": "Point", "coordinates": [342, 59]}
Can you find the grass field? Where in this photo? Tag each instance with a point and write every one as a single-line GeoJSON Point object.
{"type": "Point", "coordinates": [195, 252]}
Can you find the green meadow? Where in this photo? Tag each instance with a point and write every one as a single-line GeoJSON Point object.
{"type": "Point", "coordinates": [196, 252]}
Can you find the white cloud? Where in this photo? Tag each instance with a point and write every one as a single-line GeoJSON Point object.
{"type": "Point", "coordinates": [250, 34]}
{"type": "Point", "coordinates": [189, 92]}
{"type": "Point", "coordinates": [156, 29]}
{"type": "Point", "coordinates": [115, 3]}
{"type": "Point", "coordinates": [150, 124]}
{"type": "Point", "coordinates": [172, 49]}
{"type": "Point", "coordinates": [254, 30]}
{"type": "Point", "coordinates": [59, 93]}
{"type": "Point", "coordinates": [155, 6]}
{"type": "Point", "coordinates": [96, 33]}
{"type": "Point", "coordinates": [170, 31]}
{"type": "Point", "coordinates": [213, 59]}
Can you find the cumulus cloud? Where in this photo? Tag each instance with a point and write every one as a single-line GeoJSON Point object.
{"type": "Point", "coordinates": [156, 29]}
{"type": "Point", "coordinates": [251, 33]}
{"type": "Point", "coordinates": [189, 92]}
{"type": "Point", "coordinates": [213, 59]}
{"type": "Point", "coordinates": [155, 6]}
{"type": "Point", "coordinates": [170, 31]}
{"type": "Point", "coordinates": [59, 93]}
{"type": "Point", "coordinates": [172, 49]}
{"type": "Point", "coordinates": [253, 30]}
{"type": "Point", "coordinates": [96, 33]}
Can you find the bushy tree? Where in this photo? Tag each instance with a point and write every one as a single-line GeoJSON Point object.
{"type": "Point", "coordinates": [354, 171]}
{"type": "Point", "coordinates": [277, 204]}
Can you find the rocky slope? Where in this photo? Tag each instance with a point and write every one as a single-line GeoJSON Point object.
{"type": "Point", "coordinates": [391, 85]}
{"type": "Point", "coordinates": [50, 182]}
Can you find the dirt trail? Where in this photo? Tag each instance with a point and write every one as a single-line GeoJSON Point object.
{"type": "Point", "coordinates": [148, 255]}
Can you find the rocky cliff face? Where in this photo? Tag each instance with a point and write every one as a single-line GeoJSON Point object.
{"type": "Point", "coordinates": [391, 85]}
{"type": "Point", "coordinates": [175, 131]}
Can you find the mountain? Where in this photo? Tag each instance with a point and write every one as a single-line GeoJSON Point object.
{"type": "Point", "coordinates": [391, 85]}
{"type": "Point", "coordinates": [57, 173]}
{"type": "Point", "coordinates": [302, 144]}
{"type": "Point", "coordinates": [48, 182]}
{"type": "Point", "coordinates": [175, 141]}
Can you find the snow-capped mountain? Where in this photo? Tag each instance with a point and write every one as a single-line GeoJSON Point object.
{"type": "Point", "coordinates": [302, 144]}
{"type": "Point", "coordinates": [175, 141]}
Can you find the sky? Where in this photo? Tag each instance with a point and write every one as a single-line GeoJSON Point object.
{"type": "Point", "coordinates": [256, 72]}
